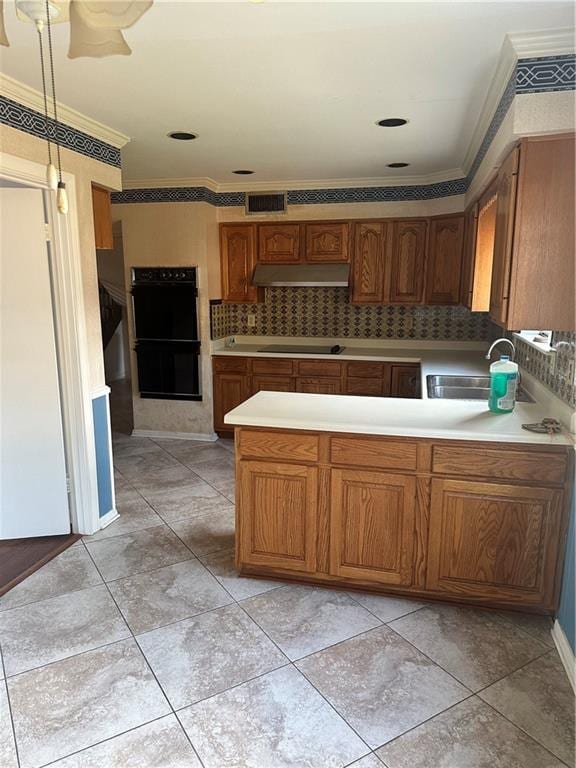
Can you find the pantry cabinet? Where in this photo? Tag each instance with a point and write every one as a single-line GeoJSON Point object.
{"type": "Point", "coordinates": [427, 518]}
{"type": "Point", "coordinates": [444, 260]}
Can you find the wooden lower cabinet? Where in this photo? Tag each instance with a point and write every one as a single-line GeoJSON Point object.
{"type": "Point", "coordinates": [373, 512]}
{"type": "Point", "coordinates": [494, 541]}
{"type": "Point", "coordinates": [319, 385]}
{"type": "Point", "coordinates": [230, 390]}
{"type": "Point", "coordinates": [277, 514]}
{"type": "Point", "coordinates": [272, 383]}
{"type": "Point", "coordinates": [372, 526]}
{"type": "Point", "coordinates": [405, 381]}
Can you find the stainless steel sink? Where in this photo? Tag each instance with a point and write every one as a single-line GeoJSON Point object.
{"type": "Point", "coordinates": [466, 388]}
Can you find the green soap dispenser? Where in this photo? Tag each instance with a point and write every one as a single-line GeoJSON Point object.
{"type": "Point", "coordinates": [503, 384]}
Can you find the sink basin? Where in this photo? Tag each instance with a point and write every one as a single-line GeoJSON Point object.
{"type": "Point", "coordinates": [466, 388]}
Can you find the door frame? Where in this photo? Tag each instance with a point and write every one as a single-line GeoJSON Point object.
{"type": "Point", "coordinates": [71, 340]}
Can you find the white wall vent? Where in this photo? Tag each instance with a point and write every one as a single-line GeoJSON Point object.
{"type": "Point", "coordinates": [265, 202]}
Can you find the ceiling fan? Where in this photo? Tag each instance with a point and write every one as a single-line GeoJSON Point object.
{"type": "Point", "coordinates": [95, 25]}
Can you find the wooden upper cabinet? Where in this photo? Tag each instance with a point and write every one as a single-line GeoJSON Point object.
{"type": "Point", "coordinates": [468, 255]}
{"type": "Point", "coordinates": [368, 271]}
{"type": "Point", "coordinates": [444, 260]}
{"type": "Point", "coordinates": [504, 238]}
{"type": "Point", "coordinates": [102, 211]}
{"type": "Point", "coordinates": [539, 277]}
{"type": "Point", "coordinates": [407, 261]}
{"type": "Point", "coordinates": [237, 260]}
{"type": "Point", "coordinates": [494, 542]}
{"type": "Point", "coordinates": [327, 242]}
{"type": "Point", "coordinates": [277, 515]}
{"type": "Point", "coordinates": [372, 526]}
{"type": "Point", "coordinates": [279, 243]}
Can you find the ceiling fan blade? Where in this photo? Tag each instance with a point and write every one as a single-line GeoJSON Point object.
{"type": "Point", "coordinates": [3, 38]}
{"type": "Point", "coordinates": [111, 14]}
{"type": "Point", "coordinates": [93, 42]}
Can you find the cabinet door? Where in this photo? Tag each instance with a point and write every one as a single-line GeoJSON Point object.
{"type": "Point", "coordinates": [238, 259]}
{"type": "Point", "coordinates": [277, 515]}
{"type": "Point", "coordinates": [279, 243]}
{"type": "Point", "coordinates": [369, 263]}
{"type": "Point", "coordinates": [444, 260]}
{"type": "Point", "coordinates": [327, 242]}
{"type": "Point", "coordinates": [503, 238]}
{"type": "Point", "coordinates": [468, 255]}
{"type": "Point", "coordinates": [272, 383]}
{"type": "Point", "coordinates": [102, 211]}
{"type": "Point", "coordinates": [318, 385]}
{"type": "Point", "coordinates": [230, 389]}
{"type": "Point", "coordinates": [494, 542]}
{"type": "Point", "coordinates": [405, 381]}
{"type": "Point", "coordinates": [407, 261]}
{"type": "Point", "coordinates": [372, 526]}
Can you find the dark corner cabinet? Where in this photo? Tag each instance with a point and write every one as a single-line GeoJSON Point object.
{"type": "Point", "coordinates": [166, 332]}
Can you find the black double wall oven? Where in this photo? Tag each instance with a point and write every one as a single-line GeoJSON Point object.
{"type": "Point", "coordinates": [166, 331]}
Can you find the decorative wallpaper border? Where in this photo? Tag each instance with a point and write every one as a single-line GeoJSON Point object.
{"type": "Point", "coordinates": [537, 75]}
{"type": "Point", "coordinates": [30, 121]}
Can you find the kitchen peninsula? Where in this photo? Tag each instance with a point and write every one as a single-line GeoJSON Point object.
{"type": "Point", "coordinates": [431, 498]}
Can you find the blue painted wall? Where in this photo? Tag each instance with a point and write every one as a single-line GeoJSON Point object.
{"type": "Point", "coordinates": [565, 613]}
{"type": "Point", "coordinates": [103, 458]}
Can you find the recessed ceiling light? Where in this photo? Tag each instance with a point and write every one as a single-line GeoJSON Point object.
{"type": "Point", "coordinates": [243, 172]}
{"type": "Point", "coordinates": [398, 165]}
{"type": "Point", "coordinates": [182, 136]}
{"type": "Point", "coordinates": [392, 122]}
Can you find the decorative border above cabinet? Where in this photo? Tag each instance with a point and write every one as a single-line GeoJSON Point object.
{"type": "Point", "coordinates": [393, 261]}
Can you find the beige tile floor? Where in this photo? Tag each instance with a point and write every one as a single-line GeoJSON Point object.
{"type": "Point", "coordinates": [141, 647]}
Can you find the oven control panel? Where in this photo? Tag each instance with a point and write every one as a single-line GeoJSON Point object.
{"type": "Point", "coordinates": [163, 275]}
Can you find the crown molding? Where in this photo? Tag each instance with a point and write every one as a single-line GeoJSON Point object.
{"type": "Point", "coordinates": [274, 186]}
{"type": "Point", "coordinates": [544, 42]}
{"type": "Point", "coordinates": [33, 99]}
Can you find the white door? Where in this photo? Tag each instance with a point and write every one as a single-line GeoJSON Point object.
{"type": "Point", "coordinates": [33, 496]}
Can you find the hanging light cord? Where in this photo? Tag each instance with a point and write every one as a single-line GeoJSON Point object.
{"type": "Point", "coordinates": [51, 58]}
{"type": "Point", "coordinates": [45, 97]}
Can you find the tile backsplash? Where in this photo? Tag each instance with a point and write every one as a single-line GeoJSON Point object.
{"type": "Point", "coordinates": [327, 312]}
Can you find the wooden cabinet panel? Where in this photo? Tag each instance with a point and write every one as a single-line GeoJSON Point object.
{"type": "Point", "coordinates": [319, 368]}
{"type": "Point", "coordinates": [237, 261]}
{"type": "Point", "coordinates": [405, 381]}
{"type": "Point", "coordinates": [319, 385]}
{"type": "Point", "coordinates": [279, 243]}
{"type": "Point", "coordinates": [277, 515]}
{"type": "Point", "coordinates": [381, 453]}
{"type": "Point", "coordinates": [366, 370]}
{"type": "Point", "coordinates": [272, 445]}
{"type": "Point", "coordinates": [468, 255]}
{"type": "Point", "coordinates": [407, 261]}
{"type": "Point", "coordinates": [102, 211]}
{"type": "Point", "coordinates": [520, 465]}
{"type": "Point", "coordinates": [267, 365]}
{"type": "Point", "coordinates": [494, 541]}
{"type": "Point", "coordinates": [504, 238]}
{"type": "Point", "coordinates": [444, 260]}
{"type": "Point", "coordinates": [372, 526]}
{"type": "Point", "coordinates": [327, 241]}
{"type": "Point", "coordinates": [230, 389]}
{"type": "Point", "coordinates": [272, 383]}
{"type": "Point", "coordinates": [364, 387]}
{"type": "Point", "coordinates": [230, 364]}
{"type": "Point", "coordinates": [368, 272]}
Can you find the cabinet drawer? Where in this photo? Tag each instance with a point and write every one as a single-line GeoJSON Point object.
{"type": "Point", "coordinates": [275, 445]}
{"type": "Point", "coordinates": [319, 385]}
{"type": "Point", "coordinates": [319, 368]}
{"type": "Point", "coordinates": [272, 383]}
{"type": "Point", "coordinates": [364, 386]}
{"type": "Point", "coordinates": [230, 364]}
{"type": "Point", "coordinates": [365, 370]}
{"type": "Point", "coordinates": [504, 464]}
{"type": "Point", "coordinates": [365, 452]}
{"type": "Point", "coordinates": [265, 365]}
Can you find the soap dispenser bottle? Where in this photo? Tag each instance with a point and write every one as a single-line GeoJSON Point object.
{"type": "Point", "coordinates": [503, 383]}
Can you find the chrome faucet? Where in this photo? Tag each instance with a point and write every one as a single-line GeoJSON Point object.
{"type": "Point", "coordinates": [499, 341]}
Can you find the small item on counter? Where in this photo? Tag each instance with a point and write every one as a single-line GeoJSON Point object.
{"type": "Point", "coordinates": [503, 384]}
{"type": "Point", "coordinates": [544, 427]}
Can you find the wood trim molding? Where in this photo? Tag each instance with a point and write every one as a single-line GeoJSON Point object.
{"type": "Point", "coordinates": [565, 652]}
{"type": "Point", "coordinates": [211, 437]}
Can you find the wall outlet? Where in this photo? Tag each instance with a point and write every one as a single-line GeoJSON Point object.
{"type": "Point", "coordinates": [251, 318]}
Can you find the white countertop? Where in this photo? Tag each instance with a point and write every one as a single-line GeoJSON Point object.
{"type": "Point", "coordinates": [448, 419]}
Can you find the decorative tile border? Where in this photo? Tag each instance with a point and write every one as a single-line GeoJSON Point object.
{"type": "Point", "coordinates": [30, 121]}
{"type": "Point", "coordinates": [327, 312]}
{"type": "Point", "coordinates": [538, 75]}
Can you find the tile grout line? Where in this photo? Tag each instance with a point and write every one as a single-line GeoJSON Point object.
{"type": "Point", "coordinates": [10, 712]}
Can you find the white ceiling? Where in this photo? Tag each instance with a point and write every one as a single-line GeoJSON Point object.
{"type": "Point", "coordinates": [291, 90]}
